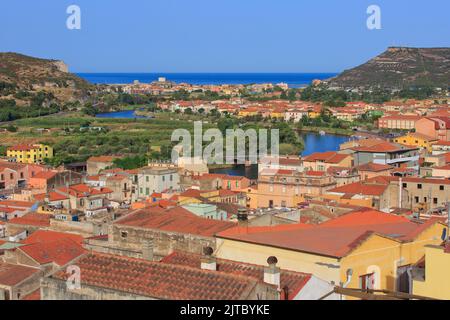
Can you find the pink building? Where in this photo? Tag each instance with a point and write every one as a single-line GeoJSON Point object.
{"type": "Point", "coordinates": [436, 127]}
{"type": "Point", "coordinates": [17, 175]}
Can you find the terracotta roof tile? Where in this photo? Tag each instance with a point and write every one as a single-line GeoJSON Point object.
{"type": "Point", "coordinates": [34, 296]}
{"type": "Point", "coordinates": [60, 251]}
{"type": "Point", "coordinates": [32, 219]}
{"type": "Point", "coordinates": [159, 280]}
{"type": "Point", "coordinates": [11, 275]}
{"type": "Point", "coordinates": [49, 236]}
{"type": "Point", "coordinates": [335, 238]}
{"type": "Point", "coordinates": [362, 188]}
{"type": "Point", "coordinates": [294, 281]}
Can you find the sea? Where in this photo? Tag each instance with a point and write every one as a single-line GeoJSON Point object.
{"type": "Point", "coordinates": [294, 80]}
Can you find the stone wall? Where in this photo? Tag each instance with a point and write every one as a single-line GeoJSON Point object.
{"type": "Point", "coordinates": [55, 289]}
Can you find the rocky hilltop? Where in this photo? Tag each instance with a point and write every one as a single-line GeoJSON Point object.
{"type": "Point", "coordinates": [398, 68]}
{"type": "Point", "coordinates": [20, 73]}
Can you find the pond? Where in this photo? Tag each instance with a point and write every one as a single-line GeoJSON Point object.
{"type": "Point", "coordinates": [127, 114]}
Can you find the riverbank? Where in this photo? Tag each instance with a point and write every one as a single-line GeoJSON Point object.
{"type": "Point", "coordinates": [335, 131]}
{"type": "Point", "coordinates": [220, 166]}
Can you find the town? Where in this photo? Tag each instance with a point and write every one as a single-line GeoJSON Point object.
{"type": "Point", "coordinates": [369, 220]}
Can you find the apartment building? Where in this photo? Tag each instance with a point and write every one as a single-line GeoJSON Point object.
{"type": "Point", "coordinates": [400, 122]}
{"type": "Point", "coordinates": [388, 153]}
{"type": "Point", "coordinates": [287, 188]}
{"type": "Point", "coordinates": [424, 194]}
{"type": "Point", "coordinates": [150, 180]}
{"type": "Point", "coordinates": [436, 127]}
{"type": "Point", "coordinates": [417, 140]}
{"type": "Point", "coordinates": [30, 153]}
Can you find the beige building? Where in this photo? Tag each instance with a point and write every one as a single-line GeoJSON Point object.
{"type": "Point", "coordinates": [97, 164]}
{"type": "Point", "coordinates": [287, 188]}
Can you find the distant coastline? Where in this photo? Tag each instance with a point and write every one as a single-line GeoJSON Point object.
{"type": "Point", "coordinates": [294, 80]}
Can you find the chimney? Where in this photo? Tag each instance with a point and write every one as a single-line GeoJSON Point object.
{"type": "Point", "coordinates": [208, 262]}
{"type": "Point", "coordinates": [242, 217]}
{"type": "Point", "coordinates": [147, 250]}
{"type": "Point", "coordinates": [272, 272]}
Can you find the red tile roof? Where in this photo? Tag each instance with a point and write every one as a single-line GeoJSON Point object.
{"type": "Point", "coordinates": [327, 157]}
{"type": "Point", "coordinates": [159, 280]}
{"type": "Point", "coordinates": [52, 196]}
{"type": "Point", "coordinates": [294, 281]}
{"type": "Point", "coordinates": [175, 219]}
{"type": "Point", "coordinates": [23, 147]}
{"type": "Point", "coordinates": [34, 296]}
{"type": "Point", "coordinates": [32, 219]}
{"type": "Point", "coordinates": [11, 274]}
{"type": "Point", "coordinates": [374, 167]}
{"type": "Point", "coordinates": [45, 175]}
{"type": "Point", "coordinates": [191, 193]}
{"type": "Point", "coordinates": [363, 188]}
{"type": "Point", "coordinates": [14, 203]}
{"type": "Point", "coordinates": [442, 143]}
{"type": "Point", "coordinates": [49, 236]}
{"type": "Point", "coordinates": [316, 173]}
{"type": "Point", "coordinates": [385, 147]}
{"type": "Point", "coordinates": [60, 251]}
{"type": "Point", "coordinates": [336, 238]}
{"type": "Point", "coordinates": [83, 190]}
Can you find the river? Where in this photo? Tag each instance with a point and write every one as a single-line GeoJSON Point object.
{"type": "Point", "coordinates": [314, 142]}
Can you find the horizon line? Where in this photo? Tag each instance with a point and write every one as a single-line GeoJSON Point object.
{"type": "Point", "coordinates": [208, 72]}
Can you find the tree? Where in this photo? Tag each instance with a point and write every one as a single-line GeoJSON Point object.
{"type": "Point", "coordinates": [225, 123]}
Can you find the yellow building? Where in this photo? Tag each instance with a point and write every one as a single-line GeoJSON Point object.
{"type": "Point", "coordinates": [376, 248]}
{"type": "Point", "coordinates": [35, 153]}
{"type": "Point", "coordinates": [248, 112]}
{"type": "Point", "coordinates": [277, 114]}
{"type": "Point", "coordinates": [434, 279]}
{"type": "Point", "coordinates": [417, 140]}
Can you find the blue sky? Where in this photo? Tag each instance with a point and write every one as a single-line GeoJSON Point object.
{"type": "Point", "coordinates": [219, 35]}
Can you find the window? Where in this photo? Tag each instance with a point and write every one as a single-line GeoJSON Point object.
{"type": "Point", "coordinates": [441, 188]}
{"type": "Point", "coordinates": [21, 175]}
{"type": "Point", "coordinates": [147, 191]}
{"type": "Point", "coordinates": [435, 200]}
{"type": "Point", "coordinates": [123, 234]}
{"type": "Point", "coordinates": [367, 281]}
{"type": "Point", "coordinates": [419, 186]}
{"type": "Point", "coordinates": [11, 176]}
{"type": "Point", "coordinates": [163, 178]}
{"type": "Point", "coordinates": [416, 199]}
{"type": "Point", "coordinates": [425, 199]}
{"type": "Point", "coordinates": [147, 178]}
{"type": "Point", "coordinates": [405, 185]}
{"type": "Point", "coordinates": [171, 177]}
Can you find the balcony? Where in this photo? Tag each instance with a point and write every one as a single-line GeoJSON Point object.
{"type": "Point", "coordinates": [402, 159]}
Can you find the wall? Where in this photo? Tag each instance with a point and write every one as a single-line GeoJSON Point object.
{"type": "Point", "coordinates": [326, 268]}
{"type": "Point", "coordinates": [55, 289]}
{"type": "Point", "coordinates": [437, 277]}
